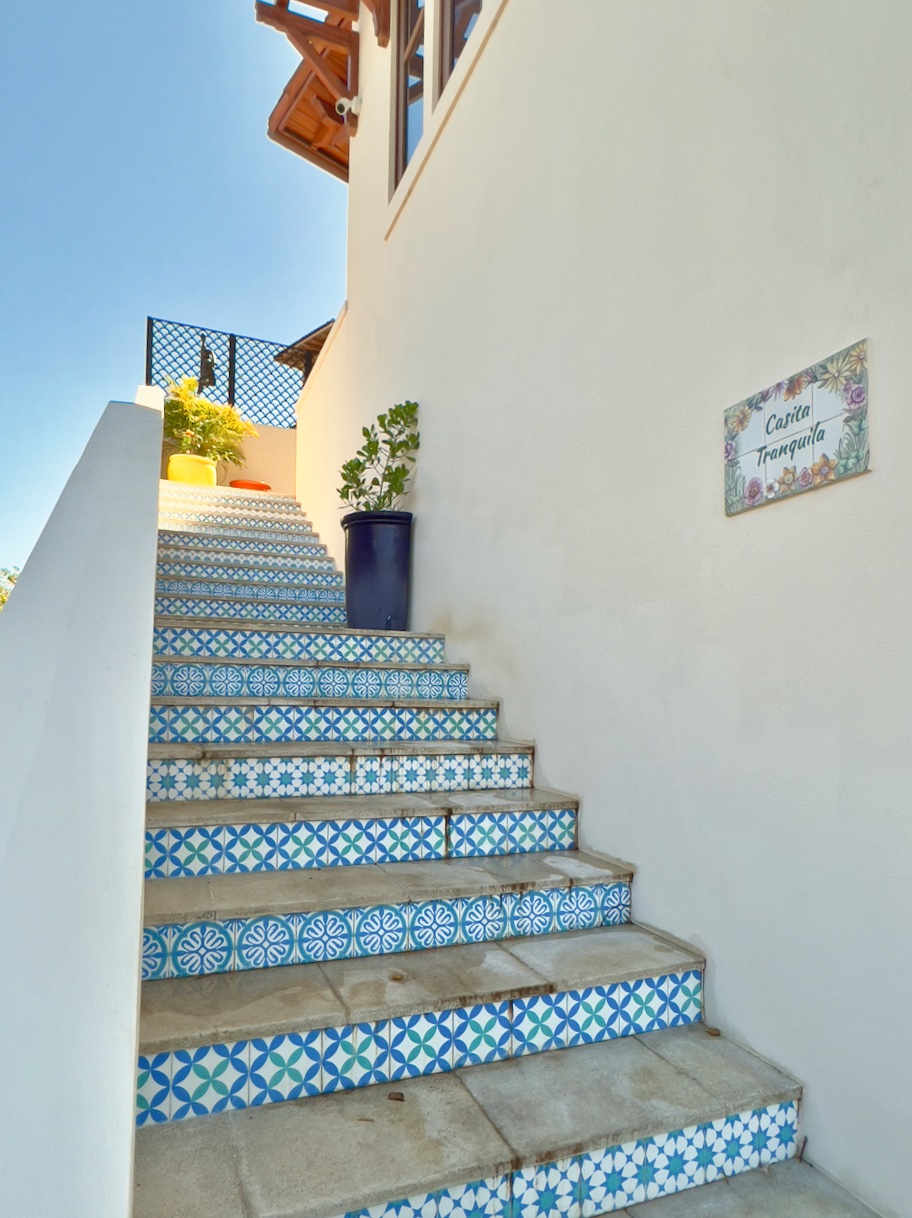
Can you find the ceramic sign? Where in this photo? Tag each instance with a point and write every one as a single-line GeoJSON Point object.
{"type": "Point", "coordinates": [808, 431]}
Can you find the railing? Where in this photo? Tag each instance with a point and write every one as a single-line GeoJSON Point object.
{"type": "Point", "coordinates": [76, 659]}
{"type": "Point", "coordinates": [230, 368]}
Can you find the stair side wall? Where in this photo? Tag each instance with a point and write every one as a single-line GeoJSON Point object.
{"type": "Point", "coordinates": [633, 219]}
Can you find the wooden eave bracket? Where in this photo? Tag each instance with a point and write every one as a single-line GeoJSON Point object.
{"type": "Point", "coordinates": [380, 11]}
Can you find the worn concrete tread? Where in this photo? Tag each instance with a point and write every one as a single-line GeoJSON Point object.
{"type": "Point", "coordinates": [188, 1012]}
{"type": "Point", "coordinates": [332, 1154]}
{"type": "Point", "coordinates": [334, 628]}
{"type": "Point", "coordinates": [181, 813]}
{"type": "Point", "coordinates": [332, 748]}
{"type": "Point", "coordinates": [271, 892]}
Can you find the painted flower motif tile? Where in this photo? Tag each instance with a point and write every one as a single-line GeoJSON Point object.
{"type": "Point", "coordinates": [482, 1199]}
{"type": "Point", "coordinates": [482, 1033]}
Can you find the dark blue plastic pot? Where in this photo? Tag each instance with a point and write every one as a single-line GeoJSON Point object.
{"type": "Point", "coordinates": [377, 552]}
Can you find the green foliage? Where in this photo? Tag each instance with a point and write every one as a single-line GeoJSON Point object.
{"type": "Point", "coordinates": [376, 477]}
{"type": "Point", "coordinates": [7, 575]}
{"type": "Point", "coordinates": [203, 428]}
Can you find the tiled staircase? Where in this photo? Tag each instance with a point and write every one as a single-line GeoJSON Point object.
{"type": "Point", "coordinates": [380, 977]}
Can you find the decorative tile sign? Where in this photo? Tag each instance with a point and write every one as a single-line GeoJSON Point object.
{"type": "Point", "coordinates": [808, 431]}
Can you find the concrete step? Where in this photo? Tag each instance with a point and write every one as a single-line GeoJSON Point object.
{"type": "Point", "coordinates": [785, 1190]}
{"type": "Point", "coordinates": [586, 1131]}
{"type": "Point", "coordinates": [252, 609]}
{"type": "Point", "coordinates": [232, 496]}
{"type": "Point", "coordinates": [312, 1029]}
{"type": "Point", "coordinates": [217, 542]}
{"type": "Point", "coordinates": [209, 638]}
{"type": "Point", "coordinates": [220, 836]}
{"type": "Point", "coordinates": [305, 589]}
{"type": "Point", "coordinates": [234, 534]}
{"type": "Point", "coordinates": [215, 560]}
{"type": "Point", "coordinates": [324, 576]}
{"type": "Point", "coordinates": [234, 678]}
{"type": "Point", "coordinates": [218, 519]}
{"type": "Point", "coordinates": [265, 720]}
{"type": "Point", "coordinates": [286, 771]}
{"type": "Point", "coordinates": [217, 924]}
{"type": "Point", "coordinates": [269, 545]}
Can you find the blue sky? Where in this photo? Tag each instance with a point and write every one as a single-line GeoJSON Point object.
{"type": "Point", "coordinates": [136, 178]}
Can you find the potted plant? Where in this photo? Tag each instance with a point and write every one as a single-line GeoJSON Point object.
{"type": "Point", "coordinates": [377, 537]}
{"type": "Point", "coordinates": [204, 433]}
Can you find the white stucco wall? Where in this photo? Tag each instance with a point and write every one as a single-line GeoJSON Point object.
{"type": "Point", "coordinates": [75, 662]}
{"type": "Point", "coordinates": [636, 216]}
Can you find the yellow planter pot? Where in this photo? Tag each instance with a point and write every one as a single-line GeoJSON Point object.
{"type": "Point", "coordinates": [185, 467]}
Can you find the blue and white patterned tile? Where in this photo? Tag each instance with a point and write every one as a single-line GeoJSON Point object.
{"type": "Point", "coordinates": [482, 1033]}
{"type": "Point", "coordinates": [374, 775]}
{"type": "Point", "coordinates": [266, 942]}
{"type": "Point", "coordinates": [156, 952]}
{"type": "Point", "coordinates": [482, 919]}
{"type": "Point", "coordinates": [539, 1024]}
{"type": "Point", "coordinates": [420, 1044]}
{"type": "Point", "coordinates": [211, 1079]}
{"type": "Point", "coordinates": [548, 1191]}
{"type": "Point", "coordinates": [779, 1124]}
{"type": "Point", "coordinates": [433, 924]}
{"type": "Point", "coordinates": [414, 772]}
{"type": "Point", "coordinates": [603, 1179]}
{"type": "Point", "coordinates": [397, 840]}
{"type": "Point", "coordinates": [431, 834]}
{"type": "Point", "coordinates": [561, 828]}
{"type": "Point", "coordinates": [684, 995]}
{"type": "Point", "coordinates": [355, 1056]}
{"type": "Point", "coordinates": [196, 851]}
{"type": "Point", "coordinates": [327, 935]}
{"type": "Point", "coordinates": [285, 1067]}
{"type": "Point", "coordinates": [453, 772]}
{"type": "Point", "coordinates": [527, 832]}
{"type": "Point", "coordinates": [349, 842]}
{"type": "Point", "coordinates": [299, 845]}
{"type": "Point", "coordinates": [477, 835]}
{"type": "Point", "coordinates": [153, 1089]}
{"type": "Point", "coordinates": [643, 1006]}
{"type": "Point", "coordinates": [676, 1163]}
{"type": "Point", "coordinates": [577, 908]}
{"type": "Point", "coordinates": [201, 948]}
{"type": "Point", "coordinates": [591, 1017]}
{"type": "Point", "coordinates": [615, 904]}
{"type": "Point", "coordinates": [379, 930]}
{"type": "Point", "coordinates": [481, 1199]}
{"type": "Point", "coordinates": [424, 1206]}
{"type": "Point", "coordinates": [532, 912]}
{"type": "Point", "coordinates": [155, 861]}
{"type": "Point", "coordinates": [249, 848]}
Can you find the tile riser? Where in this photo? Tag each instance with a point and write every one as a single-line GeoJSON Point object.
{"type": "Point", "coordinates": [213, 946]}
{"type": "Point", "coordinates": [232, 543]}
{"type": "Point", "coordinates": [247, 530]}
{"type": "Point", "coordinates": [605, 1180]}
{"type": "Point", "coordinates": [249, 611]}
{"type": "Point", "coordinates": [182, 494]}
{"type": "Point", "coordinates": [302, 592]}
{"type": "Point", "coordinates": [336, 724]}
{"type": "Point", "coordinates": [232, 849]}
{"type": "Point", "coordinates": [182, 1083]}
{"type": "Point", "coordinates": [226, 561]}
{"type": "Point", "coordinates": [172, 515]}
{"type": "Point", "coordinates": [316, 576]}
{"type": "Point", "coordinates": [286, 681]}
{"type": "Point", "coordinates": [241, 644]}
{"type": "Point", "coordinates": [291, 777]}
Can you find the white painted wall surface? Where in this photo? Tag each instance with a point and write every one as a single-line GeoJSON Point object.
{"type": "Point", "coordinates": [637, 215]}
{"type": "Point", "coordinates": [75, 664]}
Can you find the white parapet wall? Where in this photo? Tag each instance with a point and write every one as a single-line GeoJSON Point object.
{"type": "Point", "coordinates": [75, 663]}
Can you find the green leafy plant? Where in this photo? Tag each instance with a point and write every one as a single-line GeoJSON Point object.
{"type": "Point", "coordinates": [203, 428]}
{"type": "Point", "coordinates": [377, 476]}
{"type": "Point", "coordinates": [8, 577]}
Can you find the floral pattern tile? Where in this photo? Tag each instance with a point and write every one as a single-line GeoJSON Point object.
{"type": "Point", "coordinates": [808, 431]}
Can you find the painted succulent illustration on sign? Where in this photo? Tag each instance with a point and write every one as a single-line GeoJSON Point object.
{"type": "Point", "coordinates": [807, 431]}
